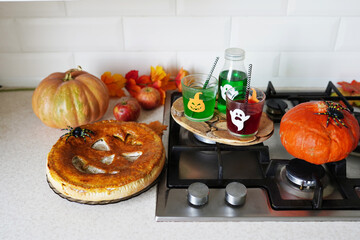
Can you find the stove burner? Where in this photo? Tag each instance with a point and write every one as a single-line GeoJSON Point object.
{"type": "Point", "coordinates": [304, 174]}
{"type": "Point", "coordinates": [202, 139]}
{"type": "Point", "coordinates": [276, 106]}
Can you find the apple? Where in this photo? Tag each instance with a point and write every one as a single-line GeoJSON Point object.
{"type": "Point", "coordinates": [149, 98]}
{"type": "Point", "coordinates": [128, 109]}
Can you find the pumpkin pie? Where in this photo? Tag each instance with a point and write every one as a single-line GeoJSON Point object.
{"type": "Point", "coordinates": [110, 161]}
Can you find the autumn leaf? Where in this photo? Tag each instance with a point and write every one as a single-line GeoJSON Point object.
{"type": "Point", "coordinates": [143, 81]}
{"type": "Point", "coordinates": [133, 74]}
{"type": "Point", "coordinates": [351, 88]}
{"type": "Point", "coordinates": [132, 87]}
{"type": "Point", "coordinates": [115, 84]}
{"type": "Point", "coordinates": [159, 75]}
{"type": "Point", "coordinates": [182, 73]}
{"type": "Point", "coordinates": [162, 95]}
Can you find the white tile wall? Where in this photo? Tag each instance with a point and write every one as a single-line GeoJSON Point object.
{"type": "Point", "coordinates": [324, 7]}
{"type": "Point", "coordinates": [290, 42]}
{"type": "Point", "coordinates": [284, 33]}
{"type": "Point", "coordinates": [8, 37]}
{"type": "Point", "coordinates": [176, 33]}
{"type": "Point", "coordinates": [348, 36]}
{"type": "Point", "coordinates": [231, 7]}
{"type": "Point", "coordinates": [32, 9]}
{"type": "Point", "coordinates": [28, 69]}
{"type": "Point", "coordinates": [70, 34]}
{"type": "Point", "coordinates": [318, 67]}
{"type": "Point", "coordinates": [120, 8]}
{"type": "Point", "coordinates": [122, 62]}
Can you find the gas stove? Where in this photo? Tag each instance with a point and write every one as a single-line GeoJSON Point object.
{"type": "Point", "coordinates": [207, 181]}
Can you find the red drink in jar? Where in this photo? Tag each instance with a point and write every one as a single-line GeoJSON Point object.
{"type": "Point", "coordinates": [243, 118]}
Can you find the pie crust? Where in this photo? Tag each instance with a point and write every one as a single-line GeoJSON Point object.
{"type": "Point", "coordinates": [119, 160]}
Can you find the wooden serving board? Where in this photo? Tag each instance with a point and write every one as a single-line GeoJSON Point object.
{"type": "Point", "coordinates": [216, 129]}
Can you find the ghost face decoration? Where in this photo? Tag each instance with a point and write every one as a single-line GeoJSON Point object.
{"type": "Point", "coordinates": [223, 90]}
{"type": "Point", "coordinates": [238, 118]}
{"type": "Point", "coordinates": [196, 104]}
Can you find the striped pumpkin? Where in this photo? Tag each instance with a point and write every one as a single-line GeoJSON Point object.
{"type": "Point", "coordinates": [71, 99]}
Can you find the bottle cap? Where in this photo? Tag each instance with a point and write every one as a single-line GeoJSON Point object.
{"type": "Point", "coordinates": [236, 54]}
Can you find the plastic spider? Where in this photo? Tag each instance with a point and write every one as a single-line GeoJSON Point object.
{"type": "Point", "coordinates": [77, 132]}
{"type": "Point", "coordinates": [334, 112]}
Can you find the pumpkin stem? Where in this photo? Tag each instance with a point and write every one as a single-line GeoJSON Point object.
{"type": "Point", "coordinates": [67, 77]}
{"type": "Point", "coordinates": [79, 68]}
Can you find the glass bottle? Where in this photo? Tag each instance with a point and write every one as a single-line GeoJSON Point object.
{"type": "Point", "coordinates": [232, 74]}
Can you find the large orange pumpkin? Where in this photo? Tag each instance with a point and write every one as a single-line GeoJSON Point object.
{"type": "Point", "coordinates": [71, 99]}
{"type": "Point", "coordinates": [305, 135]}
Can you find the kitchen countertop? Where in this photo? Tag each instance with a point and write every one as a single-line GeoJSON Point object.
{"type": "Point", "coordinates": [29, 209]}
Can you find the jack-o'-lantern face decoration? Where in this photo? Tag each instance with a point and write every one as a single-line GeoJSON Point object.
{"type": "Point", "coordinates": [196, 104]}
{"type": "Point", "coordinates": [113, 147]}
{"type": "Point", "coordinates": [114, 161]}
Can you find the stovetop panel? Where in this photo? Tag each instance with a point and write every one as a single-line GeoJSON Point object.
{"type": "Point", "coordinates": [260, 168]}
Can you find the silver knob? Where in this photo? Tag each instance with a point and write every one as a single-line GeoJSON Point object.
{"type": "Point", "coordinates": [235, 193]}
{"type": "Point", "coordinates": [198, 194]}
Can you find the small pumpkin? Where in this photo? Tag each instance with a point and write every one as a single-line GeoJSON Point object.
{"type": "Point", "coordinates": [317, 138]}
{"type": "Point", "coordinates": [71, 98]}
{"type": "Point", "coordinates": [196, 104]}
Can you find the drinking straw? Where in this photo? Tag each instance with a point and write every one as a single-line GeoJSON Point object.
{"type": "Point", "coordinates": [212, 70]}
{"type": "Point", "coordinates": [248, 84]}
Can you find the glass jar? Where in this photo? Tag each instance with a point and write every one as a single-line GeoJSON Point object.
{"type": "Point", "coordinates": [232, 74]}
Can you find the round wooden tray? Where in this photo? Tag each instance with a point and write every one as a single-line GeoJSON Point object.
{"type": "Point", "coordinates": [216, 129]}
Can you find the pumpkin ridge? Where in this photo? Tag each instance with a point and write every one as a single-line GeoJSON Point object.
{"type": "Point", "coordinates": [90, 97]}
{"type": "Point", "coordinates": [75, 102]}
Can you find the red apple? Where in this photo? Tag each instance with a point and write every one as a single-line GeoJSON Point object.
{"type": "Point", "coordinates": [128, 109]}
{"type": "Point", "coordinates": [149, 98]}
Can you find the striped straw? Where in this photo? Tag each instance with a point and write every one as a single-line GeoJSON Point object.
{"type": "Point", "coordinates": [212, 70]}
{"type": "Point", "coordinates": [248, 83]}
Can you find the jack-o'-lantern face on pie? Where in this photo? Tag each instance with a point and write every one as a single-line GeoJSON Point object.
{"type": "Point", "coordinates": [118, 154]}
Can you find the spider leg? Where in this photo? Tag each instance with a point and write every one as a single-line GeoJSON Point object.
{"type": "Point", "coordinates": [340, 121]}
{"type": "Point", "coordinates": [85, 134]}
{"type": "Point", "coordinates": [327, 121]}
{"type": "Point", "coordinates": [64, 135]}
{"type": "Point", "coordinates": [88, 131]}
{"type": "Point", "coordinates": [68, 128]}
{"type": "Point", "coordinates": [69, 135]}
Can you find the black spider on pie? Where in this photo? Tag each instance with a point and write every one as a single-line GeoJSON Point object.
{"type": "Point", "coordinates": [77, 132]}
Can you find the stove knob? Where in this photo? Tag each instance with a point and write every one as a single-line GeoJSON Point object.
{"type": "Point", "coordinates": [235, 193]}
{"type": "Point", "coordinates": [198, 194]}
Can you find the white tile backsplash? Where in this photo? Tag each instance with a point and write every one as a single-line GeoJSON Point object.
{"type": "Point", "coordinates": [107, 8]}
{"type": "Point", "coordinates": [318, 68]}
{"type": "Point", "coordinates": [348, 39]}
{"type": "Point", "coordinates": [289, 42]}
{"type": "Point", "coordinates": [70, 34]}
{"type": "Point", "coordinates": [32, 9]}
{"type": "Point", "coordinates": [176, 33]}
{"type": "Point", "coordinates": [284, 33]}
{"type": "Point", "coordinates": [324, 7]}
{"type": "Point", "coordinates": [28, 69]}
{"type": "Point", "coordinates": [122, 62]}
{"type": "Point", "coordinates": [231, 7]}
{"type": "Point", "coordinates": [8, 37]}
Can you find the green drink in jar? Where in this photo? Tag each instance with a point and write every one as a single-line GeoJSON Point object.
{"type": "Point", "coordinates": [199, 102]}
{"type": "Point", "coordinates": [233, 74]}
